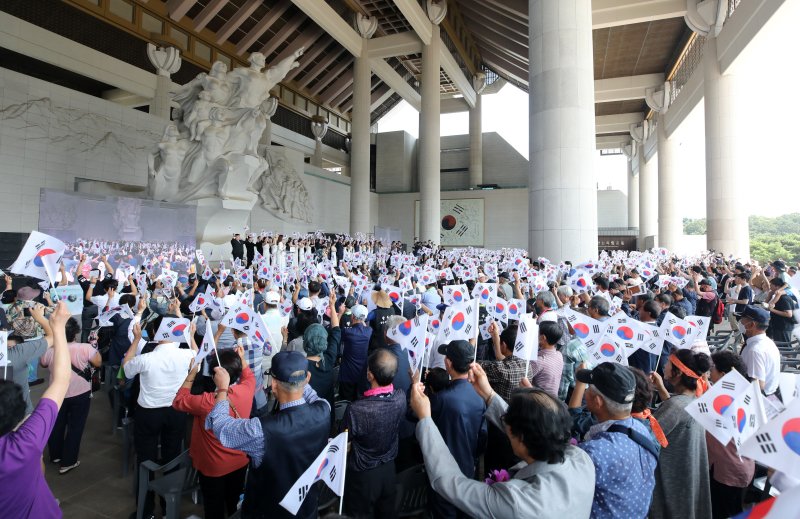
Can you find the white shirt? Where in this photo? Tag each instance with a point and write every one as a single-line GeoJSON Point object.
{"type": "Point", "coordinates": [162, 372]}
{"type": "Point", "coordinates": [763, 361]}
{"type": "Point", "coordinates": [102, 301]}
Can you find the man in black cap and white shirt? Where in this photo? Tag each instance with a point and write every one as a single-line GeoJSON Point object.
{"type": "Point", "coordinates": [282, 445]}
{"type": "Point", "coordinates": [760, 355]}
{"type": "Point", "coordinates": [458, 412]}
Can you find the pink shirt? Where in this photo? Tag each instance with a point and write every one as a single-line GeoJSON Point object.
{"type": "Point", "coordinates": [79, 354]}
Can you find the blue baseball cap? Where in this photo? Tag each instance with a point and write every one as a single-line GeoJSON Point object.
{"type": "Point", "coordinates": [286, 366]}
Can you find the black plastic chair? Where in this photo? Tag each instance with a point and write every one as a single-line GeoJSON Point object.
{"type": "Point", "coordinates": [128, 453]}
{"type": "Point", "coordinates": [172, 486]}
{"type": "Point", "coordinates": [412, 491]}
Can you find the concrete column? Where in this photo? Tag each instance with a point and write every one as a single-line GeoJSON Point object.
{"type": "Point", "coordinates": [670, 221]}
{"type": "Point", "coordinates": [359, 148]}
{"type": "Point", "coordinates": [633, 195]}
{"type": "Point", "coordinates": [430, 142]}
{"type": "Point", "coordinates": [648, 199]}
{"type": "Point", "coordinates": [476, 133]}
{"type": "Point", "coordinates": [167, 61]}
{"type": "Point", "coordinates": [562, 215]}
{"type": "Point", "coordinates": [727, 223]}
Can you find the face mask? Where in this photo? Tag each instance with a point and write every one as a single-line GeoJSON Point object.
{"type": "Point", "coordinates": [741, 328]}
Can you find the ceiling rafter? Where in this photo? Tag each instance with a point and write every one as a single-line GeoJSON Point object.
{"type": "Point", "coordinates": [282, 34]}
{"type": "Point", "coordinates": [262, 26]}
{"type": "Point", "coordinates": [237, 20]}
{"type": "Point", "coordinates": [330, 76]}
{"type": "Point", "coordinates": [178, 8]}
{"type": "Point", "coordinates": [208, 13]}
{"type": "Point", "coordinates": [324, 63]}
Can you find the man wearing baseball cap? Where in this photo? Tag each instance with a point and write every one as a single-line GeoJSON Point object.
{"type": "Point", "coordinates": [274, 321]}
{"type": "Point", "coordinates": [623, 451]}
{"type": "Point", "coordinates": [355, 344]}
{"type": "Point", "coordinates": [281, 446]}
{"type": "Point", "coordinates": [760, 354]}
{"type": "Point", "coordinates": [458, 412]}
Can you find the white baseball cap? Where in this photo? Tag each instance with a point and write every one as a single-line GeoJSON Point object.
{"type": "Point", "coordinates": [305, 304]}
{"type": "Point", "coordinates": [359, 312]}
{"type": "Point", "coordinates": [272, 298]}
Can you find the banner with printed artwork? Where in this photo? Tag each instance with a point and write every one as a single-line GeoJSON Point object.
{"type": "Point", "coordinates": [461, 222]}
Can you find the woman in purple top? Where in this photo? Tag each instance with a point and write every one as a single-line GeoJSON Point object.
{"type": "Point", "coordinates": [23, 490]}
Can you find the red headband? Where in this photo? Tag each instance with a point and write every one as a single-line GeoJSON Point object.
{"type": "Point", "coordinates": [702, 384]}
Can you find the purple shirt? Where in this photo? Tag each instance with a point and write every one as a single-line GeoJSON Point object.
{"type": "Point", "coordinates": [23, 489]}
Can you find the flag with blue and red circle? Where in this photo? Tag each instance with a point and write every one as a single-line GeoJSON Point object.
{"type": "Point", "coordinates": [454, 294]}
{"type": "Point", "coordinates": [39, 257]}
{"type": "Point", "coordinates": [410, 335]}
{"type": "Point", "coordinates": [776, 444]}
{"type": "Point", "coordinates": [516, 308]}
{"type": "Point", "coordinates": [173, 329]}
{"type": "Point", "coordinates": [677, 331]}
{"type": "Point", "coordinates": [714, 408]}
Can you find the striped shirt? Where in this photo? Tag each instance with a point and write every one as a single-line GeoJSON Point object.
{"type": "Point", "coordinates": [546, 370]}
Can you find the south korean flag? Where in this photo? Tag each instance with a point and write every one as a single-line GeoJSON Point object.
{"type": "Point", "coordinates": [587, 330]}
{"type": "Point", "coordinates": [777, 443]}
{"type": "Point", "coordinates": [677, 331]}
{"type": "Point", "coordinates": [711, 409]}
{"type": "Point", "coordinates": [460, 322]}
{"type": "Point", "coordinates": [607, 350]}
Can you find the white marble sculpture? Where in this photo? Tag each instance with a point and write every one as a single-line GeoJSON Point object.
{"type": "Point", "coordinates": [215, 136]}
{"type": "Point", "coordinates": [210, 153]}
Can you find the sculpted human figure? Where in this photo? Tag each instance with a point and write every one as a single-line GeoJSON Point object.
{"type": "Point", "coordinates": [215, 83]}
{"type": "Point", "coordinates": [164, 166]}
{"type": "Point", "coordinates": [251, 86]}
{"type": "Point", "coordinates": [199, 118]}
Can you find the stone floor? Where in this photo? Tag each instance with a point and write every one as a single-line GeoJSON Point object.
{"type": "Point", "coordinates": [96, 489]}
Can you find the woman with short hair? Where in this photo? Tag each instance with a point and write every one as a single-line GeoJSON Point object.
{"type": "Point", "coordinates": [682, 483]}
{"type": "Point", "coordinates": [65, 440]}
{"type": "Point", "coordinates": [222, 470]}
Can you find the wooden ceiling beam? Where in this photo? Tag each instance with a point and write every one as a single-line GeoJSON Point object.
{"type": "Point", "coordinates": [262, 26]}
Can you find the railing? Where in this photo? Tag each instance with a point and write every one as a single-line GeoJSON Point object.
{"type": "Point", "coordinates": [691, 58]}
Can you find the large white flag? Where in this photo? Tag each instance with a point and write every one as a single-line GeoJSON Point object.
{"type": "Point", "coordinates": [587, 330]}
{"type": "Point", "coordinates": [526, 345]}
{"type": "Point", "coordinates": [39, 257]}
{"type": "Point", "coordinates": [747, 413]}
{"type": "Point", "coordinates": [498, 309]}
{"type": "Point", "coordinates": [777, 443]}
{"type": "Point", "coordinates": [172, 329]}
{"type": "Point", "coordinates": [711, 409]}
{"type": "Point", "coordinates": [677, 331]}
{"type": "Point", "coordinates": [699, 324]}
{"type": "Point", "coordinates": [460, 322]}
{"type": "Point", "coordinates": [202, 300]}
{"type": "Point", "coordinates": [410, 335]}
{"type": "Point", "coordinates": [207, 346]}
{"type": "Point", "coordinates": [516, 307]}
{"type": "Point", "coordinates": [483, 291]}
{"type": "Point", "coordinates": [608, 349]}
{"type": "Point", "coordinates": [328, 467]}
{"type": "Point", "coordinates": [454, 294]}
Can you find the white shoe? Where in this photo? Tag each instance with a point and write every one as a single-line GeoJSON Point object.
{"type": "Point", "coordinates": [64, 470]}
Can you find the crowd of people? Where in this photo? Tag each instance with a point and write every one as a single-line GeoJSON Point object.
{"type": "Point", "coordinates": [499, 435]}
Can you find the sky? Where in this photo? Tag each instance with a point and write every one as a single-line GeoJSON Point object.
{"type": "Point", "coordinates": [769, 115]}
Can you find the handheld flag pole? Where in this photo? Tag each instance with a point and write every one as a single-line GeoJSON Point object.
{"type": "Point", "coordinates": [344, 474]}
